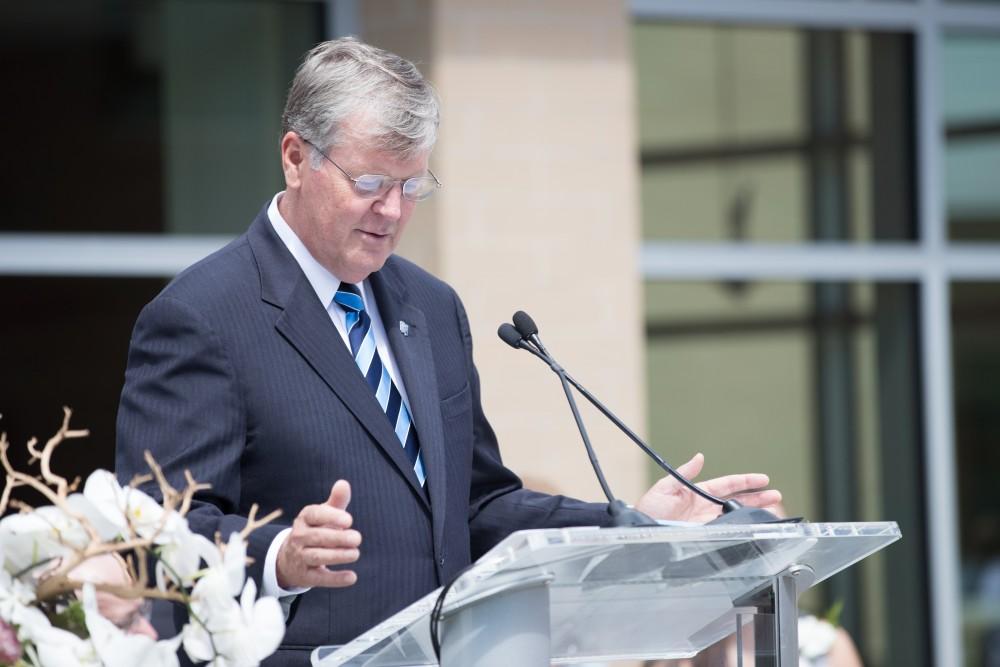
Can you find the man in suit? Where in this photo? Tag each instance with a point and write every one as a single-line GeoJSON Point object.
{"type": "Point", "coordinates": [304, 367]}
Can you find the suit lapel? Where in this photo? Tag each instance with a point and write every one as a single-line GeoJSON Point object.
{"type": "Point", "coordinates": [409, 338]}
{"type": "Point", "coordinates": [306, 325]}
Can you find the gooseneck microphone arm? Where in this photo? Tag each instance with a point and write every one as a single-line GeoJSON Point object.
{"type": "Point", "coordinates": [510, 336]}
{"type": "Point", "coordinates": [583, 432]}
{"type": "Point", "coordinates": [528, 339]}
{"type": "Point", "coordinates": [524, 335]}
{"type": "Point", "coordinates": [643, 446]}
{"type": "Point", "coordinates": [622, 514]}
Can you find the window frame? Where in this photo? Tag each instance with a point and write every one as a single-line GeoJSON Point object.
{"type": "Point", "coordinates": [932, 261]}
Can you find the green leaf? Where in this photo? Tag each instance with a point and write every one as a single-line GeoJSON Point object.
{"type": "Point", "coordinates": [72, 619]}
{"type": "Point", "coordinates": [833, 613]}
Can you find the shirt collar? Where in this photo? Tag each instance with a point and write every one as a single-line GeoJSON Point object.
{"type": "Point", "coordinates": [323, 281]}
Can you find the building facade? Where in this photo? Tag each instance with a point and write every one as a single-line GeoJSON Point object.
{"type": "Point", "coordinates": [767, 231]}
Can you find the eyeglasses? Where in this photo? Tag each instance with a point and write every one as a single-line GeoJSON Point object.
{"type": "Point", "coordinates": [135, 618]}
{"type": "Point", "coordinates": [370, 186]}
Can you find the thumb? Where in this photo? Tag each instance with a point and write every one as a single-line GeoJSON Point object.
{"type": "Point", "coordinates": [340, 494]}
{"type": "Point", "coordinates": [692, 468]}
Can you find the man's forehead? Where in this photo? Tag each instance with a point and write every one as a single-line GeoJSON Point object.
{"type": "Point", "coordinates": [361, 140]}
{"type": "Point", "coordinates": [361, 157]}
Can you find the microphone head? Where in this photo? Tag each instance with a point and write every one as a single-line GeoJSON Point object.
{"type": "Point", "coordinates": [524, 324]}
{"type": "Point", "coordinates": [509, 335]}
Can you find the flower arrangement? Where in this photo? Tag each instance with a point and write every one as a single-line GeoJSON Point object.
{"type": "Point", "coordinates": [49, 616]}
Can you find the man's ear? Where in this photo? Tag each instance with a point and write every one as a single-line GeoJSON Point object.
{"type": "Point", "coordinates": [294, 159]}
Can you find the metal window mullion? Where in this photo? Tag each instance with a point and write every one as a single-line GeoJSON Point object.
{"type": "Point", "coordinates": [812, 13]}
{"type": "Point", "coordinates": [884, 262]}
{"type": "Point", "coordinates": [122, 255]}
{"type": "Point", "coordinates": [908, 16]}
{"type": "Point", "coordinates": [343, 18]}
{"type": "Point", "coordinates": [971, 16]}
{"type": "Point", "coordinates": [934, 271]}
{"type": "Point", "coordinates": [971, 262]}
{"type": "Point", "coordinates": [939, 443]}
{"type": "Point", "coordinates": [936, 354]}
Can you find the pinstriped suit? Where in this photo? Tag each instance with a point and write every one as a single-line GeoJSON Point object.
{"type": "Point", "coordinates": [236, 372]}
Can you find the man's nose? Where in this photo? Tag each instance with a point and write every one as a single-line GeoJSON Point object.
{"type": "Point", "coordinates": [390, 205]}
{"type": "Point", "coordinates": [142, 626]}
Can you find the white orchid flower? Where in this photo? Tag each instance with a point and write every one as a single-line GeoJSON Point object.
{"type": "Point", "coordinates": [228, 633]}
{"type": "Point", "coordinates": [223, 630]}
{"type": "Point", "coordinates": [106, 530]}
{"type": "Point", "coordinates": [125, 506]}
{"type": "Point", "coordinates": [180, 559]}
{"type": "Point", "coordinates": [234, 563]}
{"type": "Point", "coordinates": [180, 551]}
{"type": "Point", "coordinates": [41, 535]}
{"type": "Point", "coordinates": [816, 637]}
{"type": "Point", "coordinates": [59, 648]}
{"type": "Point", "coordinates": [116, 648]}
{"type": "Point", "coordinates": [32, 624]}
{"type": "Point", "coordinates": [216, 590]}
{"type": "Point", "coordinates": [54, 647]}
{"type": "Point", "coordinates": [15, 596]}
{"type": "Point", "coordinates": [49, 533]}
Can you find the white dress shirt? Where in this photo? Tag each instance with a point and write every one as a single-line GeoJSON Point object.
{"type": "Point", "coordinates": [325, 285]}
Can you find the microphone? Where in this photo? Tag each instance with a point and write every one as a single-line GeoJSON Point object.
{"type": "Point", "coordinates": [528, 329]}
{"type": "Point", "coordinates": [524, 335]}
{"type": "Point", "coordinates": [621, 514]}
{"type": "Point", "coordinates": [509, 335]}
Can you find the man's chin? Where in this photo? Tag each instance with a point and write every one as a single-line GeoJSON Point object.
{"type": "Point", "coordinates": [363, 270]}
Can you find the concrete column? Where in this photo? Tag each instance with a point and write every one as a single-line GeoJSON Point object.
{"type": "Point", "coordinates": [537, 153]}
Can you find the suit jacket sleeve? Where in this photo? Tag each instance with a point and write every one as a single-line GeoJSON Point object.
{"type": "Point", "coordinates": [181, 402]}
{"type": "Point", "coordinates": [498, 504]}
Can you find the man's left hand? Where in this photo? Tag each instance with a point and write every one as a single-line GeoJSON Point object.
{"type": "Point", "coordinates": [671, 500]}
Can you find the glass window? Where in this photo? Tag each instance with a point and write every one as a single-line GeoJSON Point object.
{"type": "Point", "coordinates": [971, 102]}
{"type": "Point", "coordinates": [774, 134]}
{"type": "Point", "coordinates": [815, 384]}
{"type": "Point", "coordinates": [975, 332]}
{"type": "Point", "coordinates": [65, 342]}
{"type": "Point", "coordinates": [159, 116]}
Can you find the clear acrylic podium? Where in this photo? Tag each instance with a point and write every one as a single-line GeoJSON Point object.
{"type": "Point", "coordinates": [572, 595]}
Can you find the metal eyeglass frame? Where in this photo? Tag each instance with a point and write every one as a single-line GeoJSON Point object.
{"type": "Point", "coordinates": [387, 182]}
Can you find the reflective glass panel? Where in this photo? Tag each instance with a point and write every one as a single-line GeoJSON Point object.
{"type": "Point", "coordinates": [774, 134]}
{"type": "Point", "coordinates": [65, 342]}
{"type": "Point", "coordinates": [682, 588]}
{"type": "Point", "coordinates": [153, 116]}
{"type": "Point", "coordinates": [975, 335]}
{"type": "Point", "coordinates": [970, 73]}
{"type": "Point", "coordinates": [815, 384]}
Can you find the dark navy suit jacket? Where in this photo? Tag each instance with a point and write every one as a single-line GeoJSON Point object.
{"type": "Point", "coordinates": [236, 373]}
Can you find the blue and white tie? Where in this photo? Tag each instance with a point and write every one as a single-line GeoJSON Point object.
{"type": "Point", "coordinates": [362, 338]}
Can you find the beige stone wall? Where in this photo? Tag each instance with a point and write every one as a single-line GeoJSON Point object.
{"type": "Point", "coordinates": [539, 212]}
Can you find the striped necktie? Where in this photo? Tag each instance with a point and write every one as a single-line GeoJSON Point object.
{"type": "Point", "coordinates": [362, 338]}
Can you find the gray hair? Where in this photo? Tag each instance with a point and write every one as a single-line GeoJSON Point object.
{"type": "Point", "coordinates": [344, 78]}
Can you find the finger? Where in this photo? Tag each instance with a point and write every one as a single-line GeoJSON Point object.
{"type": "Point", "coordinates": [737, 496]}
{"type": "Point", "coordinates": [731, 484]}
{"type": "Point", "coordinates": [314, 557]}
{"type": "Point", "coordinates": [321, 576]}
{"type": "Point", "coordinates": [340, 494]}
{"type": "Point", "coordinates": [326, 516]}
{"type": "Point", "coordinates": [692, 468]}
{"type": "Point", "coordinates": [763, 499]}
{"type": "Point", "coordinates": [327, 538]}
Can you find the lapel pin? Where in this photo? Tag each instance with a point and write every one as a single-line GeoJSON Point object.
{"type": "Point", "coordinates": [404, 328]}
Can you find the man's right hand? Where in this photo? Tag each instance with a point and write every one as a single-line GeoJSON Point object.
{"type": "Point", "coordinates": [321, 536]}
